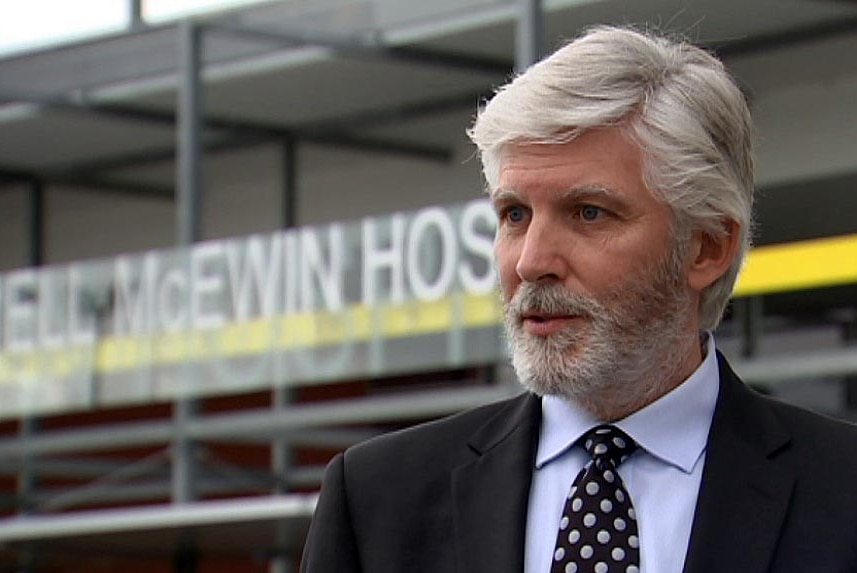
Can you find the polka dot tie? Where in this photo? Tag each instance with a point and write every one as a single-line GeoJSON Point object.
{"type": "Point", "coordinates": [598, 529]}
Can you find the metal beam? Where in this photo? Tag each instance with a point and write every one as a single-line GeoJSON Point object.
{"type": "Point", "coordinates": [240, 133]}
{"type": "Point", "coordinates": [74, 468]}
{"type": "Point", "coordinates": [91, 467]}
{"type": "Point", "coordinates": [416, 405]}
{"type": "Point", "coordinates": [529, 34]}
{"type": "Point", "coordinates": [256, 424]}
{"type": "Point", "coordinates": [771, 370]}
{"type": "Point", "coordinates": [27, 485]}
{"type": "Point", "coordinates": [104, 184]}
{"type": "Point", "coordinates": [135, 10]}
{"type": "Point", "coordinates": [365, 47]}
{"type": "Point", "coordinates": [163, 154]}
{"type": "Point", "coordinates": [128, 519]}
{"type": "Point", "coordinates": [782, 39]}
{"type": "Point", "coordinates": [392, 114]}
{"type": "Point", "coordinates": [61, 498]}
{"type": "Point", "coordinates": [37, 223]}
{"type": "Point", "coordinates": [750, 312]}
{"type": "Point", "coordinates": [189, 172]}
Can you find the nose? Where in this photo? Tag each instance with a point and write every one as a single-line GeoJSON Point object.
{"type": "Point", "coordinates": [543, 254]}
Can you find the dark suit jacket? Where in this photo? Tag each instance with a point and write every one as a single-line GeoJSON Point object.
{"type": "Point", "coordinates": [778, 493]}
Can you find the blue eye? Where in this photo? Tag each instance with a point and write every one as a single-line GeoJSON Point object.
{"type": "Point", "coordinates": [515, 214]}
{"type": "Point", "coordinates": [589, 212]}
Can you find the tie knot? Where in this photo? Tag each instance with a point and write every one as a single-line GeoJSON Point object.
{"type": "Point", "coordinates": [607, 442]}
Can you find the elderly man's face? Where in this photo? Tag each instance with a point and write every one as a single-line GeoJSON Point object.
{"type": "Point", "coordinates": [593, 281]}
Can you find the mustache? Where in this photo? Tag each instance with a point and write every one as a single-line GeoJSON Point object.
{"type": "Point", "coordinates": [550, 298]}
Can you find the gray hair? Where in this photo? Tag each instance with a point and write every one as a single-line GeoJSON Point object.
{"type": "Point", "coordinates": [675, 100]}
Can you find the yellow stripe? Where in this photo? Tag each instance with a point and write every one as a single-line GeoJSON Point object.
{"type": "Point", "coordinates": [798, 266]}
{"type": "Point", "coordinates": [357, 323]}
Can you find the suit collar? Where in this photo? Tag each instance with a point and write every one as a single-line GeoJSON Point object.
{"type": "Point", "coordinates": [491, 493]}
{"type": "Point", "coordinates": [745, 490]}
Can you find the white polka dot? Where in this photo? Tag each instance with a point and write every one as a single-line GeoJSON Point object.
{"type": "Point", "coordinates": [589, 519]}
{"type": "Point", "coordinates": [620, 497]}
{"type": "Point", "coordinates": [573, 536]}
{"type": "Point", "coordinates": [563, 523]}
{"type": "Point", "coordinates": [576, 504]}
{"type": "Point", "coordinates": [588, 445]}
{"type": "Point", "coordinates": [558, 554]}
{"type": "Point", "coordinates": [603, 431]}
{"type": "Point", "coordinates": [632, 569]}
{"type": "Point", "coordinates": [572, 491]}
{"type": "Point", "coordinates": [633, 542]}
{"type": "Point", "coordinates": [631, 513]}
{"type": "Point", "coordinates": [571, 568]}
{"type": "Point", "coordinates": [592, 488]}
{"type": "Point", "coordinates": [606, 505]}
{"type": "Point", "coordinates": [603, 536]}
{"type": "Point", "coordinates": [619, 524]}
{"type": "Point", "coordinates": [619, 442]}
{"type": "Point", "coordinates": [600, 450]}
{"type": "Point", "coordinates": [600, 567]}
{"type": "Point", "coordinates": [608, 475]}
{"type": "Point", "coordinates": [618, 554]}
{"type": "Point", "coordinates": [586, 551]}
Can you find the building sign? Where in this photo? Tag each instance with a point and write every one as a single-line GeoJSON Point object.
{"type": "Point", "coordinates": [375, 297]}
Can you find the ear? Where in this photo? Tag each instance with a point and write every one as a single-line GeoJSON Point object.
{"type": "Point", "coordinates": [711, 255]}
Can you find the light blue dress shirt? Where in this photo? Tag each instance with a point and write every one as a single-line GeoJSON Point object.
{"type": "Point", "coordinates": [662, 476]}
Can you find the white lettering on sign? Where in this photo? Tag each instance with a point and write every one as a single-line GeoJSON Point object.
{"type": "Point", "coordinates": [423, 256]}
{"type": "Point", "coordinates": [479, 244]}
{"type": "Point", "coordinates": [255, 271]}
{"type": "Point", "coordinates": [439, 222]}
{"type": "Point", "coordinates": [316, 271]}
{"type": "Point", "coordinates": [207, 284]}
{"type": "Point", "coordinates": [376, 258]}
{"type": "Point", "coordinates": [134, 292]}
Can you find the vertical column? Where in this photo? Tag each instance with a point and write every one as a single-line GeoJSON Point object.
{"type": "Point", "coordinates": [36, 254]}
{"type": "Point", "coordinates": [529, 34]}
{"type": "Point", "coordinates": [135, 10]}
{"type": "Point", "coordinates": [29, 424]}
{"type": "Point", "coordinates": [189, 145]}
{"type": "Point", "coordinates": [188, 231]}
{"type": "Point", "coordinates": [290, 182]}
{"type": "Point", "coordinates": [849, 334]}
{"type": "Point", "coordinates": [27, 480]}
{"type": "Point", "coordinates": [281, 453]}
{"type": "Point", "coordinates": [750, 311]}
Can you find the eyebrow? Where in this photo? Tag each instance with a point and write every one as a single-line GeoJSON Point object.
{"type": "Point", "coordinates": [502, 195]}
{"type": "Point", "coordinates": [588, 191]}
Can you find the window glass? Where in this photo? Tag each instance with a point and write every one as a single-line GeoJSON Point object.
{"type": "Point", "coordinates": [155, 11]}
{"type": "Point", "coordinates": [39, 23]}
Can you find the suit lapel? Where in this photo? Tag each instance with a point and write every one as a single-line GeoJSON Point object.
{"type": "Point", "coordinates": [745, 492]}
{"type": "Point", "coordinates": [491, 493]}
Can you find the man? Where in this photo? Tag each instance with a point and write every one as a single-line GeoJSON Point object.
{"type": "Point", "coordinates": [621, 172]}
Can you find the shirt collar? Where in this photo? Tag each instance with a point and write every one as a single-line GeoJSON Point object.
{"type": "Point", "coordinates": [673, 428]}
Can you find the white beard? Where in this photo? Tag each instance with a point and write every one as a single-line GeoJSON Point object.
{"type": "Point", "coordinates": [623, 352]}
